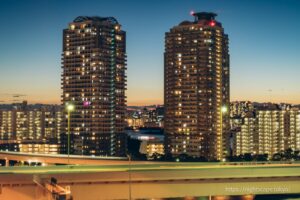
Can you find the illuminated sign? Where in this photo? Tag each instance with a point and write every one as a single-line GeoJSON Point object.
{"type": "Point", "coordinates": [86, 103]}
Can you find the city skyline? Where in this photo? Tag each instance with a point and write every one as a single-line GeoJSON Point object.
{"type": "Point", "coordinates": [153, 99]}
{"type": "Point", "coordinates": [263, 70]}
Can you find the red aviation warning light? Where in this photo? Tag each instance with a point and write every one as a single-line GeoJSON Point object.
{"type": "Point", "coordinates": [212, 23]}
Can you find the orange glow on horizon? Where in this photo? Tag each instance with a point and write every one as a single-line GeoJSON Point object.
{"type": "Point", "coordinates": [148, 102]}
{"type": "Point", "coordinates": [145, 98]}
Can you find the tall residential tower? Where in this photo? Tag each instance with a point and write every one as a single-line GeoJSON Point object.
{"type": "Point", "coordinates": [196, 89]}
{"type": "Point", "coordinates": [94, 80]}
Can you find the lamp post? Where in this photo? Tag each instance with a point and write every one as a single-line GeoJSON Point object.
{"type": "Point", "coordinates": [223, 110]}
{"type": "Point", "coordinates": [129, 175]}
{"type": "Point", "coordinates": [70, 108]}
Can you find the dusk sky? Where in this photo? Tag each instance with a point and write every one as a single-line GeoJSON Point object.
{"type": "Point", "coordinates": [264, 45]}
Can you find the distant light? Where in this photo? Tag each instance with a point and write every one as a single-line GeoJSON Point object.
{"type": "Point", "coordinates": [212, 23]}
{"type": "Point", "coordinates": [146, 137]}
{"type": "Point", "coordinates": [192, 12]}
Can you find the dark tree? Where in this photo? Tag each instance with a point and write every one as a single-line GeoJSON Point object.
{"type": "Point", "coordinates": [248, 157]}
{"type": "Point", "coordinates": [262, 157]}
{"type": "Point", "coordinates": [277, 157]}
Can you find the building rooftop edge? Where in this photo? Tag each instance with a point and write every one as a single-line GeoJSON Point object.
{"type": "Point", "coordinates": [204, 15]}
{"type": "Point", "coordinates": [96, 19]}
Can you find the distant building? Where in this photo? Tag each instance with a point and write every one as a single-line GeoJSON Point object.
{"type": "Point", "coordinates": [150, 147]}
{"type": "Point", "coordinates": [196, 88]}
{"type": "Point", "coordinates": [31, 146]}
{"type": "Point", "coordinates": [7, 124]}
{"type": "Point", "coordinates": [94, 80]}
{"type": "Point", "coordinates": [134, 122]}
{"type": "Point", "coordinates": [39, 147]}
{"type": "Point", "coordinates": [151, 140]}
{"type": "Point", "coordinates": [9, 145]}
{"type": "Point", "coordinates": [268, 131]}
{"type": "Point", "coordinates": [27, 122]}
{"type": "Point", "coordinates": [272, 127]}
{"type": "Point", "coordinates": [149, 117]}
{"type": "Point", "coordinates": [245, 140]}
{"type": "Point", "coordinates": [240, 108]}
{"type": "Point", "coordinates": [293, 135]}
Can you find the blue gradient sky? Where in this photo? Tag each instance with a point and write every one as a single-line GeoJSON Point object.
{"type": "Point", "coordinates": [264, 45]}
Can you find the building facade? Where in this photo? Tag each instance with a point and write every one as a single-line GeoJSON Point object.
{"type": "Point", "coordinates": [30, 123]}
{"type": "Point", "coordinates": [7, 125]}
{"type": "Point", "coordinates": [273, 125]}
{"type": "Point", "coordinates": [240, 108]}
{"type": "Point", "coordinates": [145, 117]}
{"type": "Point", "coordinates": [268, 132]}
{"type": "Point", "coordinates": [152, 147]}
{"type": "Point", "coordinates": [94, 80]}
{"type": "Point", "coordinates": [293, 134]}
{"type": "Point", "coordinates": [196, 88]}
{"type": "Point", "coordinates": [245, 140]}
{"type": "Point", "coordinates": [38, 147]}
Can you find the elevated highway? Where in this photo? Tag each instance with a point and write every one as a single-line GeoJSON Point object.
{"type": "Point", "coordinates": [61, 158]}
{"type": "Point", "coordinates": [159, 180]}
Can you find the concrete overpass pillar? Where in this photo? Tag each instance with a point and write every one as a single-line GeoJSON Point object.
{"type": "Point", "coordinates": [6, 162]}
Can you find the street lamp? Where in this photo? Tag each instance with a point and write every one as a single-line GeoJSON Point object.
{"type": "Point", "coordinates": [70, 108]}
{"type": "Point", "coordinates": [223, 110]}
{"type": "Point", "coordinates": [129, 175]}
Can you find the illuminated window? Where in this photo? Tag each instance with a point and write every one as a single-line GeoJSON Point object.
{"type": "Point", "coordinates": [118, 37]}
{"type": "Point", "coordinates": [208, 41]}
